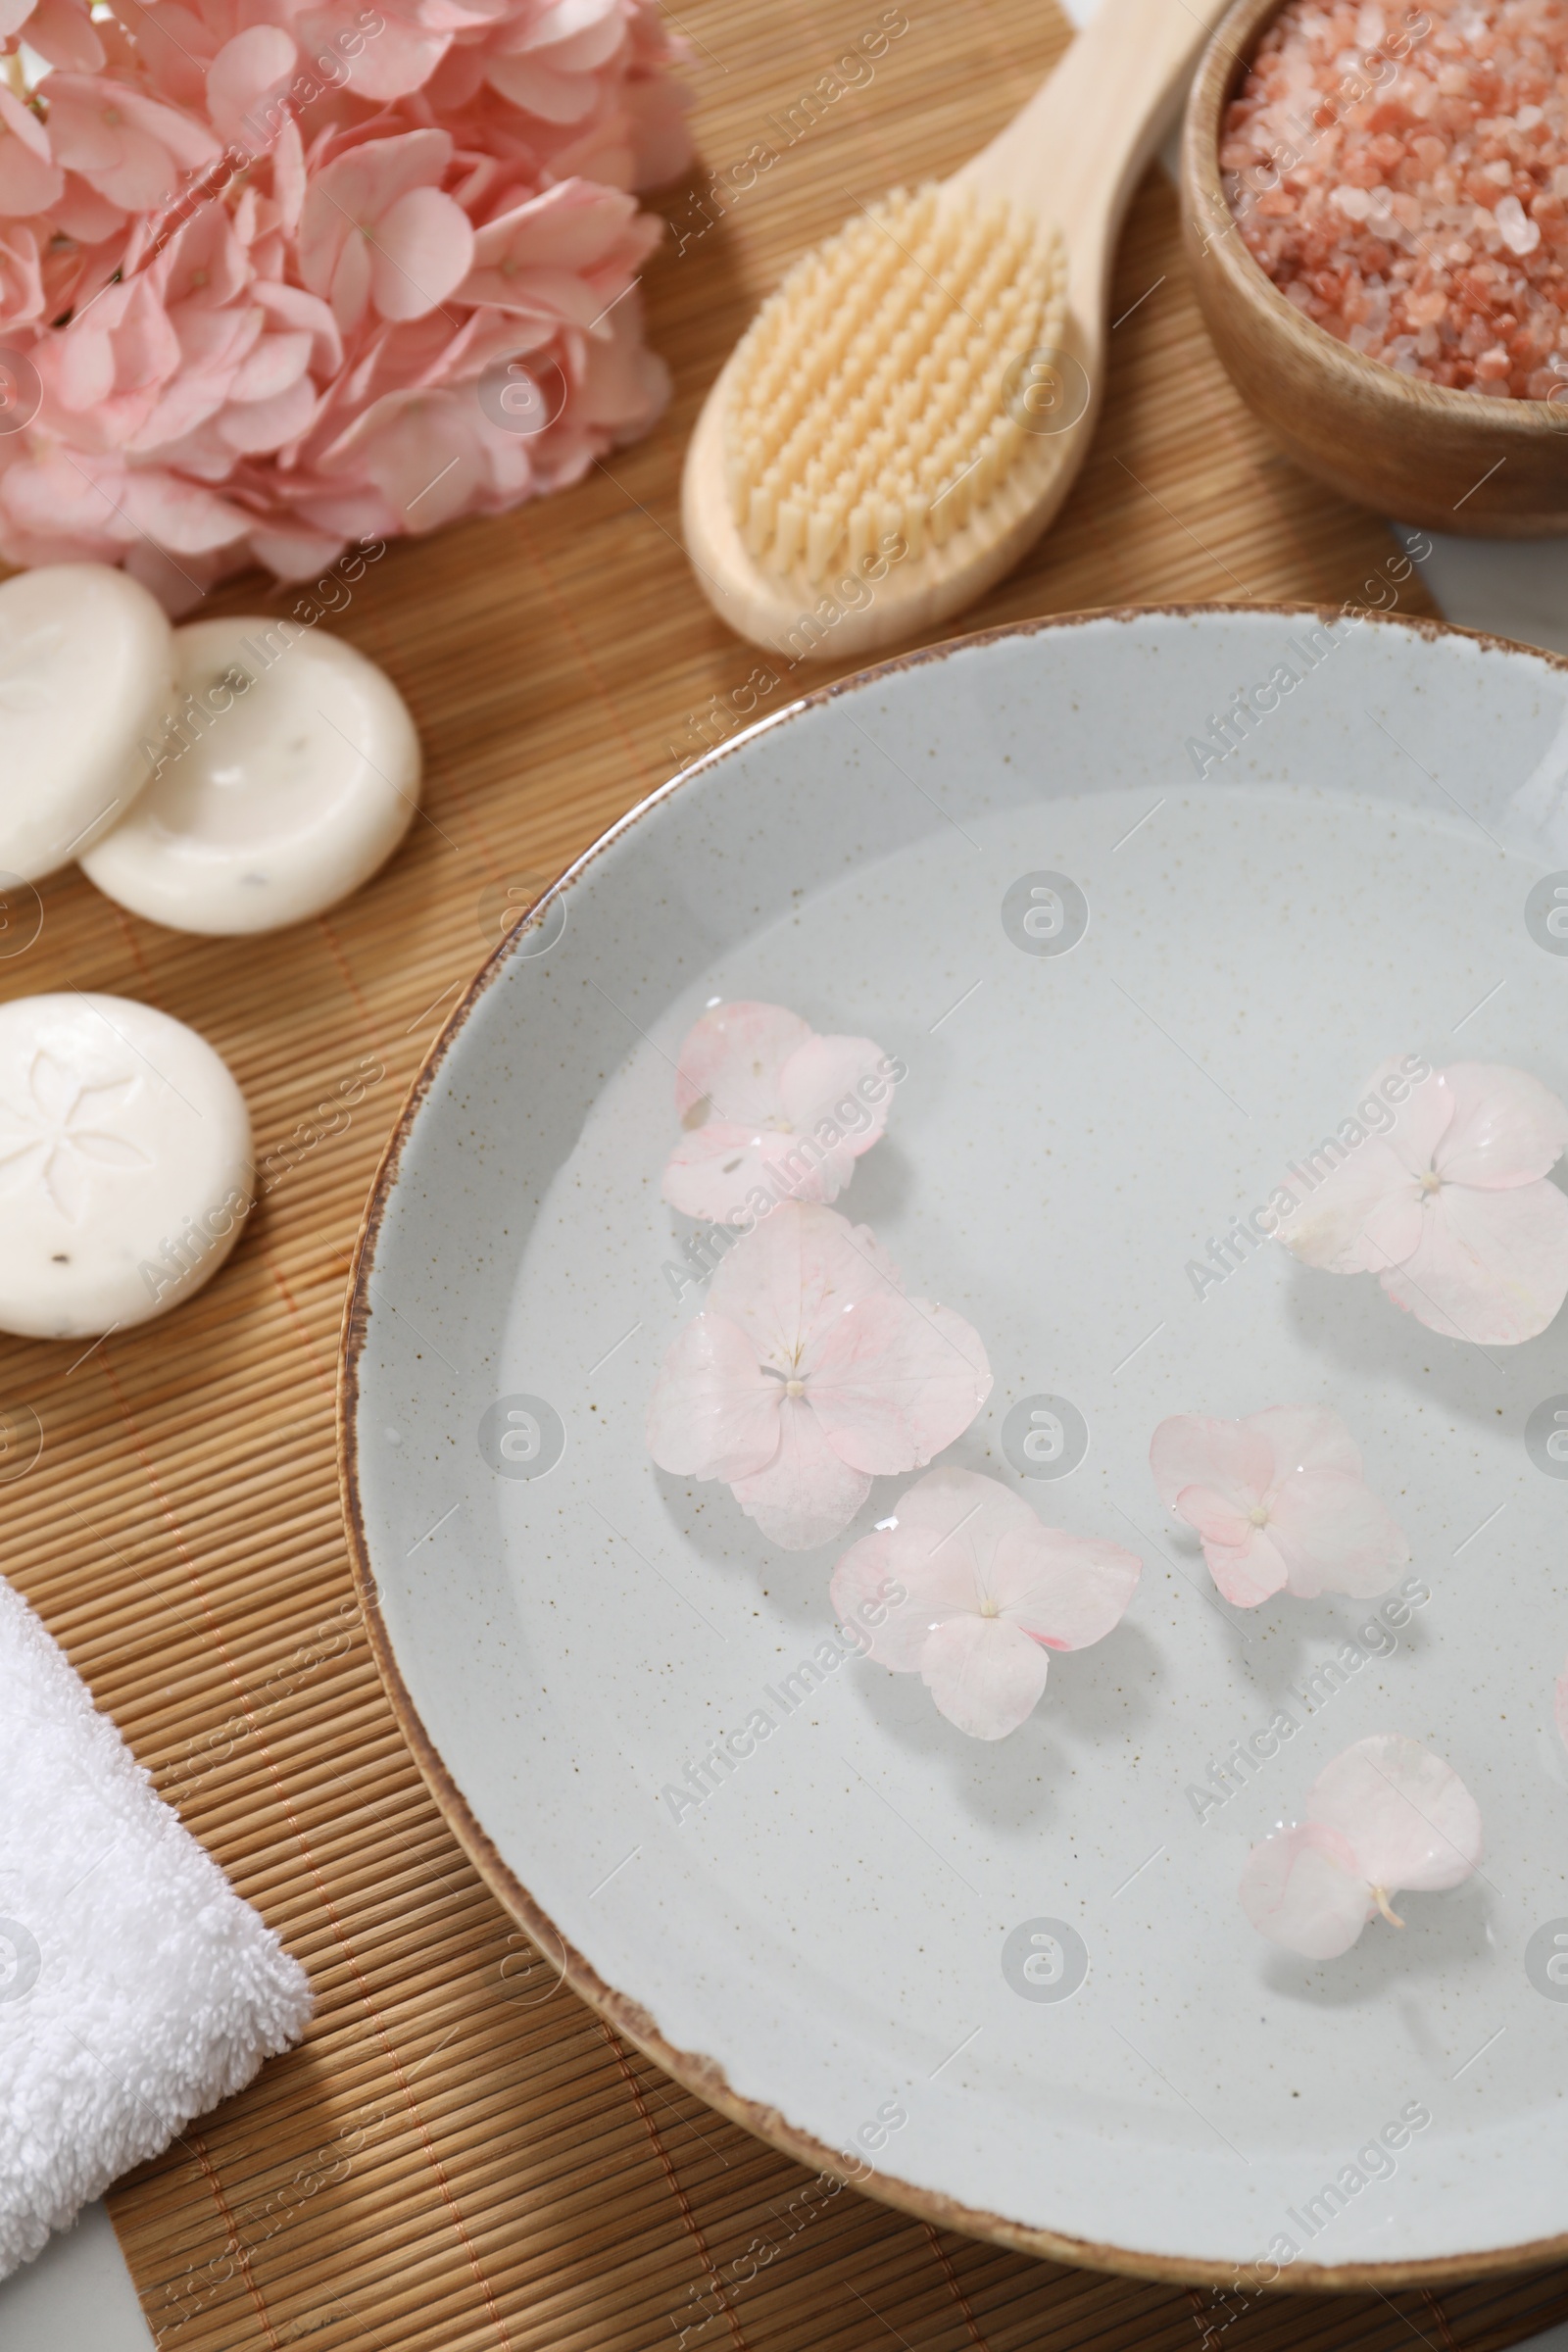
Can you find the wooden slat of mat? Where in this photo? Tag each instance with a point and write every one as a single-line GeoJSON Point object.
{"type": "Point", "coordinates": [462, 2156]}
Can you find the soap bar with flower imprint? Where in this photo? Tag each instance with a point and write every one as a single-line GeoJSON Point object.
{"type": "Point", "coordinates": [125, 1163]}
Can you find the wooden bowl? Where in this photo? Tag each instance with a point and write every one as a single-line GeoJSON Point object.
{"type": "Point", "coordinates": [1417, 452]}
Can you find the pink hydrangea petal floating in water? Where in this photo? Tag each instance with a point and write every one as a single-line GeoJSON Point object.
{"type": "Point", "coordinates": [1409, 1816]}
{"type": "Point", "coordinates": [985, 1674]}
{"type": "Point", "coordinates": [1491, 1267]}
{"type": "Point", "coordinates": [1246, 1567]}
{"type": "Point", "coordinates": [1306, 1435]}
{"type": "Point", "coordinates": [731, 1058]}
{"type": "Point", "coordinates": [1365, 1214]}
{"type": "Point", "coordinates": [1279, 1503]}
{"type": "Point", "coordinates": [988, 1594]}
{"type": "Point", "coordinates": [1508, 1129]}
{"type": "Point", "coordinates": [1230, 1459]}
{"type": "Point", "coordinates": [892, 1387]}
{"type": "Point", "coordinates": [1064, 1592]}
{"type": "Point", "coordinates": [804, 1494]}
{"type": "Point", "coordinates": [785, 1284]}
{"type": "Point", "coordinates": [1451, 1207]}
{"type": "Point", "coordinates": [715, 1411]}
{"type": "Point", "coordinates": [821, 1073]}
{"type": "Point", "coordinates": [809, 1371]}
{"type": "Point", "coordinates": [1302, 1888]}
{"type": "Point", "coordinates": [1212, 1473]}
{"type": "Point", "coordinates": [947, 1526]}
{"type": "Point", "coordinates": [1384, 1815]}
{"type": "Point", "coordinates": [1334, 1536]}
{"type": "Point", "coordinates": [769, 1107]}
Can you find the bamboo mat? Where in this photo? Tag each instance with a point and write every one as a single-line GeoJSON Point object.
{"type": "Point", "coordinates": [461, 2155]}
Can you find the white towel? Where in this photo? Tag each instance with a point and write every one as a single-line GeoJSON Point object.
{"type": "Point", "coordinates": [137, 1988]}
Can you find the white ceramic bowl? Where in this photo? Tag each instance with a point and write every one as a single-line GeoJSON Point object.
{"type": "Point", "coordinates": [822, 1948]}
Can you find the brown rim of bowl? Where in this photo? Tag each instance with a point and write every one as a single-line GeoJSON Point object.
{"type": "Point", "coordinates": [1226, 59]}
{"type": "Point", "coordinates": [697, 2072]}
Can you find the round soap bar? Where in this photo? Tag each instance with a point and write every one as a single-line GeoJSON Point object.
{"type": "Point", "coordinates": [86, 686]}
{"type": "Point", "coordinates": [124, 1164]}
{"type": "Point", "coordinates": [292, 773]}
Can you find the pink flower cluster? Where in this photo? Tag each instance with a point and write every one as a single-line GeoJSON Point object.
{"type": "Point", "coordinates": [810, 1371]}
{"type": "Point", "coordinates": [279, 276]}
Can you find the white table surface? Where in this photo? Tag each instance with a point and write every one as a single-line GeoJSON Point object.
{"type": "Point", "coordinates": [77, 2296]}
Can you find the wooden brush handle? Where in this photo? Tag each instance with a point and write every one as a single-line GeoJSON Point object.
{"type": "Point", "coordinates": [1079, 148]}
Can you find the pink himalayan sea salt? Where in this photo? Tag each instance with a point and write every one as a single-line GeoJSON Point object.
{"type": "Point", "coordinates": [1402, 176]}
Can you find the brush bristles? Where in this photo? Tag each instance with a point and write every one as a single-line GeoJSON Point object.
{"type": "Point", "coordinates": [868, 395]}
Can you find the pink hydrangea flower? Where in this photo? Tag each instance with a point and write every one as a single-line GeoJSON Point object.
{"type": "Point", "coordinates": [21, 275]}
{"type": "Point", "coordinates": [1279, 1504]}
{"type": "Point", "coordinates": [808, 1373]}
{"type": "Point", "coordinates": [30, 179]}
{"type": "Point", "coordinates": [375, 228]}
{"type": "Point", "coordinates": [274, 269]}
{"type": "Point", "coordinates": [771, 1111]}
{"type": "Point", "coordinates": [131, 149]}
{"type": "Point", "coordinates": [988, 1593]}
{"type": "Point", "coordinates": [1451, 1207]}
{"type": "Point", "coordinates": [1385, 1815]}
{"type": "Point", "coordinates": [59, 31]}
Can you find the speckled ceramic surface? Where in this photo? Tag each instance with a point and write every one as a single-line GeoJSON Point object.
{"type": "Point", "coordinates": [842, 1942]}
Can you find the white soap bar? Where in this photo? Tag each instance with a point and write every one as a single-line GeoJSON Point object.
{"type": "Point", "coordinates": [293, 772]}
{"type": "Point", "coordinates": [86, 683]}
{"type": "Point", "coordinates": [124, 1164]}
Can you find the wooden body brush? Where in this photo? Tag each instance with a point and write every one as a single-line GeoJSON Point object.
{"type": "Point", "coordinates": [906, 413]}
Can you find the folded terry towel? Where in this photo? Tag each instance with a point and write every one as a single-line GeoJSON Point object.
{"type": "Point", "coordinates": [136, 1989]}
